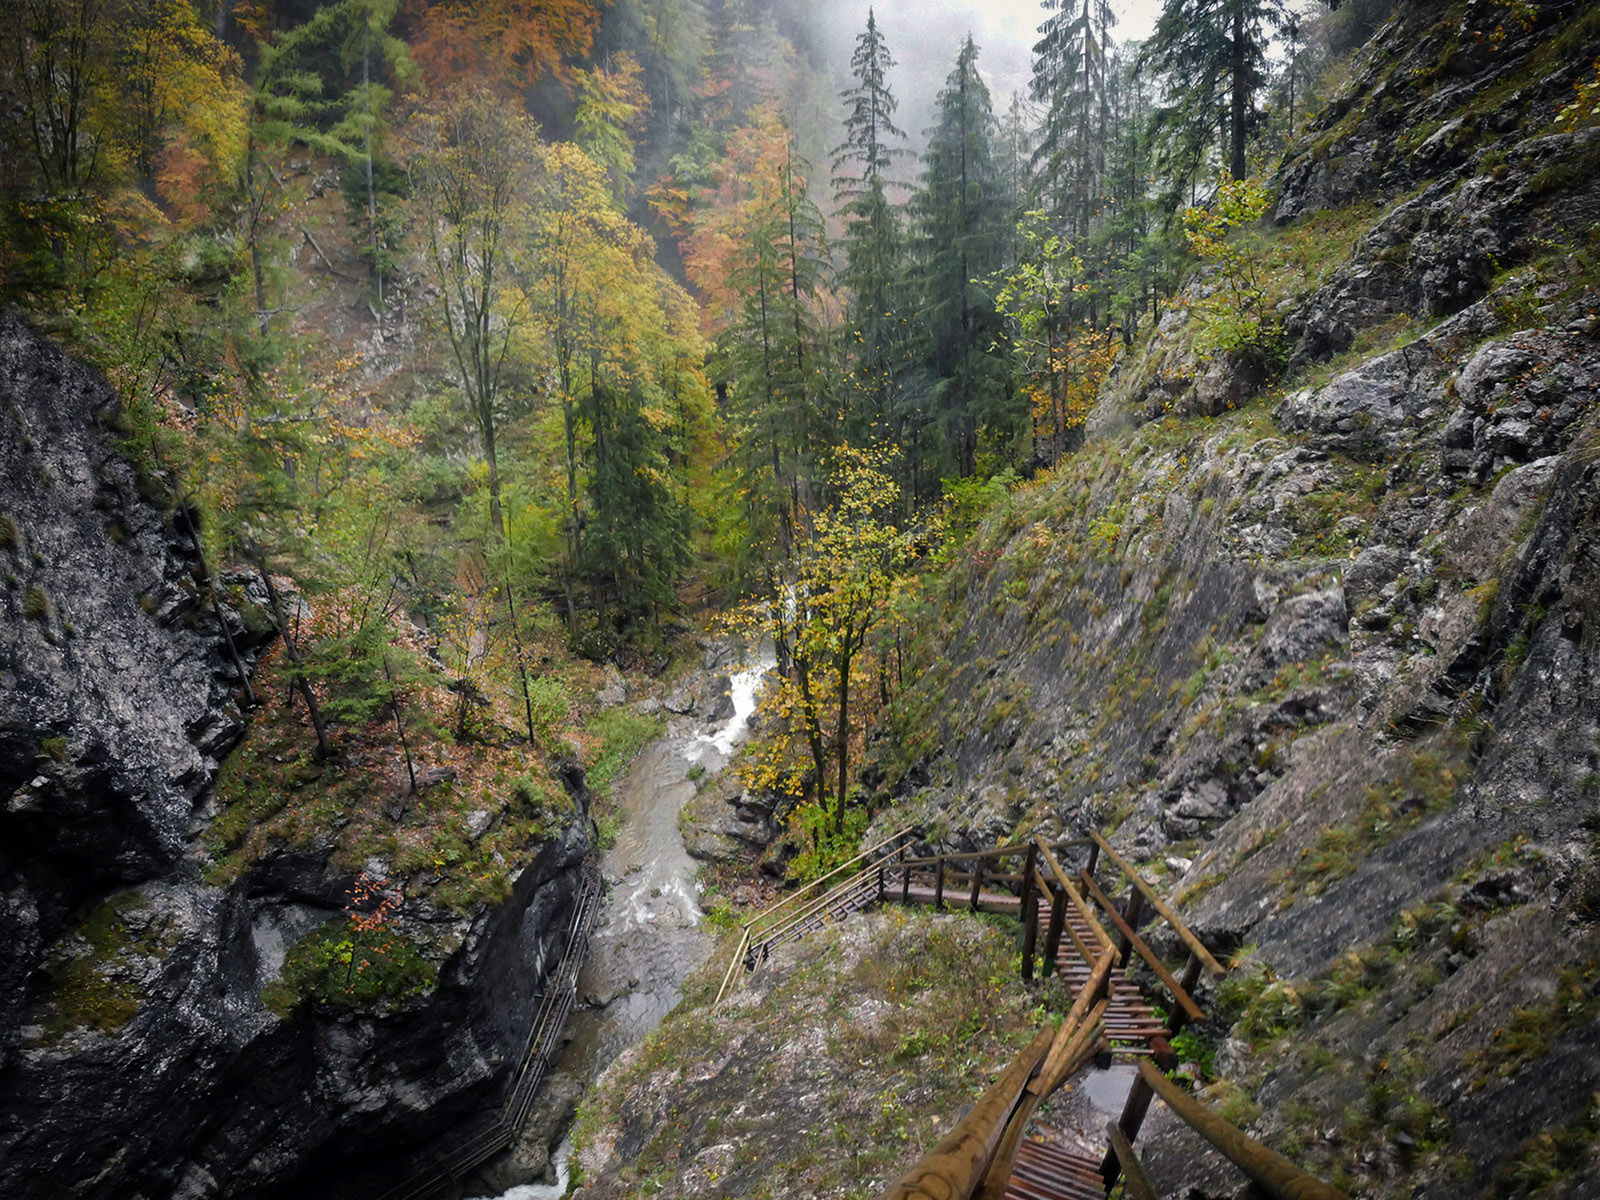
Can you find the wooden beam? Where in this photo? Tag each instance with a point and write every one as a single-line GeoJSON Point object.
{"type": "Point", "coordinates": [1078, 902]}
{"type": "Point", "coordinates": [1179, 994]}
{"type": "Point", "coordinates": [1137, 1185]}
{"type": "Point", "coordinates": [1196, 947]}
{"type": "Point", "coordinates": [955, 1166]}
{"type": "Point", "coordinates": [1074, 1044]}
{"type": "Point", "coordinates": [1275, 1173]}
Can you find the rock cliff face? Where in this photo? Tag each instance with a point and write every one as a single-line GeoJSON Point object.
{"type": "Point", "coordinates": [1325, 655]}
{"type": "Point", "coordinates": [137, 1058]}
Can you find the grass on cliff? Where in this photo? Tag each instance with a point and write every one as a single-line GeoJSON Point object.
{"type": "Point", "coordinates": [490, 803]}
{"type": "Point", "coordinates": [872, 1038]}
{"type": "Point", "coordinates": [91, 975]}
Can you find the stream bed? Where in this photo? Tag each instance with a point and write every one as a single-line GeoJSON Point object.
{"type": "Point", "coordinates": [648, 938]}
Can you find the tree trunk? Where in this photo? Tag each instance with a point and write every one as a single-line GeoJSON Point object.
{"type": "Point", "coordinates": [372, 193]}
{"type": "Point", "coordinates": [846, 654]}
{"type": "Point", "coordinates": [300, 683]}
{"type": "Point", "coordinates": [1241, 95]}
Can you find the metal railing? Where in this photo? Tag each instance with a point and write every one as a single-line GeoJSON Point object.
{"type": "Point", "coordinates": [555, 1005]}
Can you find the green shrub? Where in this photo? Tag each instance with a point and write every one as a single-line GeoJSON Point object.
{"type": "Point", "coordinates": [342, 967]}
{"type": "Point", "coordinates": [550, 703]}
{"type": "Point", "coordinates": [36, 604]}
{"type": "Point", "coordinates": [622, 733]}
{"type": "Point", "coordinates": [10, 535]}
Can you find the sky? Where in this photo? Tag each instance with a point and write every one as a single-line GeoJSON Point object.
{"type": "Point", "coordinates": [924, 36]}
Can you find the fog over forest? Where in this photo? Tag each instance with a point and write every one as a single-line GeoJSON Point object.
{"type": "Point", "coordinates": [924, 37]}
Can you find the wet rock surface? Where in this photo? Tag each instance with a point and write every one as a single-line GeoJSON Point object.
{"type": "Point", "coordinates": [137, 1057]}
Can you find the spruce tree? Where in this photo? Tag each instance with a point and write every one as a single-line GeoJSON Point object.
{"type": "Point", "coordinates": [961, 234]}
{"type": "Point", "coordinates": [1212, 57]}
{"type": "Point", "coordinates": [1070, 79]}
{"type": "Point", "coordinates": [872, 238]}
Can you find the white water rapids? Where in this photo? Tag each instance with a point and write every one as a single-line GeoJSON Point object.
{"type": "Point", "coordinates": [646, 941]}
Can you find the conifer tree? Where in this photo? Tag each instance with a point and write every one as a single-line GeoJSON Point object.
{"type": "Point", "coordinates": [1212, 57]}
{"type": "Point", "coordinates": [1070, 79]}
{"type": "Point", "coordinates": [961, 238]}
{"type": "Point", "coordinates": [872, 241]}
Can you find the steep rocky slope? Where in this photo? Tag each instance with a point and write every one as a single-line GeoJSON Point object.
{"type": "Point", "coordinates": [137, 1054]}
{"type": "Point", "coordinates": [1325, 653]}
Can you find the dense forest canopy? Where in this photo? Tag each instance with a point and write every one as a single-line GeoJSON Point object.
{"type": "Point", "coordinates": [503, 320]}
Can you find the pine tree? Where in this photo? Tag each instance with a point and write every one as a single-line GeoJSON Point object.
{"type": "Point", "coordinates": [872, 241]}
{"type": "Point", "coordinates": [1070, 78]}
{"type": "Point", "coordinates": [961, 238]}
{"type": "Point", "coordinates": [1212, 56]}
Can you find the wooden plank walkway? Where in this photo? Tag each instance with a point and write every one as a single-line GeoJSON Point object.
{"type": "Point", "coordinates": [1046, 1171]}
{"type": "Point", "coordinates": [1131, 1024]}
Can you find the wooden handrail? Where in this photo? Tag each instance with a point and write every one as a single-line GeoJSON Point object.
{"type": "Point", "coordinates": [734, 963]}
{"type": "Point", "coordinates": [1072, 894]}
{"type": "Point", "coordinates": [1179, 993]}
{"type": "Point", "coordinates": [1136, 1184]}
{"type": "Point", "coordinates": [1196, 946]}
{"type": "Point", "coordinates": [812, 904]}
{"type": "Point", "coordinates": [1275, 1173]}
{"type": "Point", "coordinates": [1072, 1045]}
{"type": "Point", "coordinates": [857, 882]}
{"type": "Point", "coordinates": [798, 893]}
{"type": "Point", "coordinates": [954, 1167]}
{"type": "Point", "coordinates": [555, 1005]}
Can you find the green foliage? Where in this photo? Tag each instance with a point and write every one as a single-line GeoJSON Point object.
{"type": "Point", "coordinates": [1234, 317]}
{"type": "Point", "coordinates": [967, 502]}
{"type": "Point", "coordinates": [823, 845]}
{"type": "Point", "coordinates": [1546, 1163]}
{"type": "Point", "coordinates": [1533, 1029]}
{"type": "Point", "coordinates": [92, 974]}
{"type": "Point", "coordinates": [36, 604]}
{"type": "Point", "coordinates": [551, 703]}
{"type": "Point", "coordinates": [10, 534]}
{"type": "Point", "coordinates": [1422, 783]}
{"type": "Point", "coordinates": [621, 734]}
{"type": "Point", "coordinates": [608, 826]}
{"type": "Point", "coordinates": [343, 967]}
{"type": "Point", "coordinates": [1259, 1005]}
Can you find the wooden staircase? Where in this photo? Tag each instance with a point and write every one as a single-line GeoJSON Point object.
{"type": "Point", "coordinates": [997, 1151]}
{"type": "Point", "coordinates": [1050, 1171]}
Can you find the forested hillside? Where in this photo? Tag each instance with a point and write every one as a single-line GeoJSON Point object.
{"type": "Point", "coordinates": [463, 370]}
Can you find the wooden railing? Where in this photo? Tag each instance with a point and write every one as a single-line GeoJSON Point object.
{"type": "Point", "coordinates": [851, 882]}
{"type": "Point", "coordinates": [975, 1161]}
{"type": "Point", "coordinates": [978, 1151]}
{"type": "Point", "coordinates": [1272, 1173]}
{"type": "Point", "coordinates": [555, 1005]}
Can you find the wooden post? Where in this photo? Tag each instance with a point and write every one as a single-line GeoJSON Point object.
{"type": "Point", "coordinates": [905, 878]}
{"type": "Point", "coordinates": [1030, 933]}
{"type": "Point", "coordinates": [882, 892]}
{"type": "Point", "coordinates": [1138, 1185]}
{"type": "Point", "coordinates": [1094, 858]}
{"type": "Point", "coordinates": [1133, 1112]}
{"type": "Point", "coordinates": [938, 885]}
{"type": "Point", "coordinates": [1028, 910]}
{"type": "Point", "coordinates": [1191, 976]}
{"type": "Point", "coordinates": [1130, 915]}
{"type": "Point", "coordinates": [977, 883]}
{"type": "Point", "coordinates": [1052, 939]}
